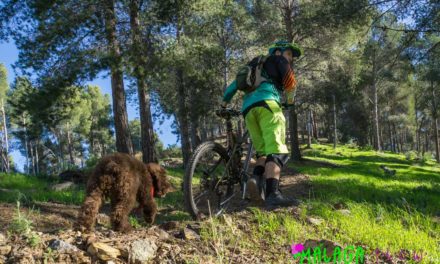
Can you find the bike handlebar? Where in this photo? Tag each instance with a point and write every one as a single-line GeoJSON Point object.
{"type": "Point", "coordinates": [227, 113]}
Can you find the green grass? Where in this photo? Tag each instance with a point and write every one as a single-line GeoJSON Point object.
{"type": "Point", "coordinates": [36, 189]}
{"type": "Point", "coordinates": [386, 212]}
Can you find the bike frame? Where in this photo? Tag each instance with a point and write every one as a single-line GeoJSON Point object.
{"type": "Point", "coordinates": [232, 145]}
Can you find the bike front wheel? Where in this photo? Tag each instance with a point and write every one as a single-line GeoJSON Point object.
{"type": "Point", "coordinates": [207, 183]}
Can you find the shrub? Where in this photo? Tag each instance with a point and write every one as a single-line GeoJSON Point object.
{"type": "Point", "coordinates": [410, 155]}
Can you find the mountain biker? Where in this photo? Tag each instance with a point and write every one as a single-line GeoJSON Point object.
{"type": "Point", "coordinates": [265, 121]}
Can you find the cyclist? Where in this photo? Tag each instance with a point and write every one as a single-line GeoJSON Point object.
{"type": "Point", "coordinates": [266, 123]}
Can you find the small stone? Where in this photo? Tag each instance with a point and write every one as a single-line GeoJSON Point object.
{"type": "Point", "coordinates": [141, 251]}
{"type": "Point", "coordinates": [169, 225]}
{"type": "Point", "coordinates": [162, 235]}
{"type": "Point", "coordinates": [189, 234]}
{"type": "Point", "coordinates": [90, 239]}
{"type": "Point", "coordinates": [314, 221]}
{"type": "Point", "coordinates": [339, 206]}
{"type": "Point", "coordinates": [344, 211]}
{"type": "Point", "coordinates": [2, 239]}
{"type": "Point", "coordinates": [62, 247]}
{"type": "Point", "coordinates": [5, 250]}
{"type": "Point", "coordinates": [62, 186]}
{"type": "Point", "coordinates": [103, 251]}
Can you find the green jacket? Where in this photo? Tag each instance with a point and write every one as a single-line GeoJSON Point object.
{"type": "Point", "coordinates": [266, 91]}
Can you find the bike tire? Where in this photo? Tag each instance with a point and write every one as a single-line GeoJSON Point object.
{"type": "Point", "coordinates": [202, 149]}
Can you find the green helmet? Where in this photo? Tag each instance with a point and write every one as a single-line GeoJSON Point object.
{"type": "Point", "coordinates": [283, 45]}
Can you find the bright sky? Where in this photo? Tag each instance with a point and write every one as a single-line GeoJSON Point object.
{"type": "Point", "coordinates": [9, 54]}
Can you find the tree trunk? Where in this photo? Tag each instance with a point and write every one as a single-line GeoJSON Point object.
{"type": "Point", "coordinates": [26, 144]}
{"type": "Point", "coordinates": [5, 134]}
{"type": "Point", "coordinates": [335, 130]}
{"type": "Point", "coordinates": [315, 126]}
{"type": "Point", "coordinates": [436, 140]}
{"type": "Point", "coordinates": [309, 129]}
{"type": "Point", "coordinates": [375, 111]}
{"type": "Point", "coordinates": [183, 109]}
{"type": "Point", "coordinates": [37, 162]}
{"type": "Point", "coordinates": [32, 158]}
{"type": "Point", "coordinates": [293, 130]}
{"type": "Point", "coordinates": [434, 114]}
{"type": "Point", "coordinates": [139, 61]}
{"type": "Point", "coordinates": [123, 141]}
{"type": "Point", "coordinates": [69, 144]}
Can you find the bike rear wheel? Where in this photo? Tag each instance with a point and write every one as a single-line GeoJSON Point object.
{"type": "Point", "coordinates": [207, 183]}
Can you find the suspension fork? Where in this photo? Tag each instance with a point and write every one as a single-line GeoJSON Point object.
{"type": "Point", "coordinates": [244, 177]}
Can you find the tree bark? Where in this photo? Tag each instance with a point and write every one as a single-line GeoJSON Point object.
{"type": "Point", "coordinates": [26, 144]}
{"type": "Point", "coordinates": [123, 141]}
{"type": "Point", "coordinates": [32, 158]}
{"type": "Point", "coordinates": [434, 114]}
{"type": "Point", "coordinates": [37, 162]}
{"type": "Point", "coordinates": [376, 110]}
{"type": "Point", "coordinates": [309, 129]}
{"type": "Point", "coordinates": [139, 61]}
{"type": "Point", "coordinates": [183, 110]}
{"type": "Point", "coordinates": [5, 134]}
{"type": "Point", "coordinates": [293, 130]}
{"type": "Point", "coordinates": [436, 140]}
{"type": "Point", "coordinates": [335, 130]}
{"type": "Point", "coordinates": [69, 144]}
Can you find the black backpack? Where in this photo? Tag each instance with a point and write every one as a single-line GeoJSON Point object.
{"type": "Point", "coordinates": [250, 76]}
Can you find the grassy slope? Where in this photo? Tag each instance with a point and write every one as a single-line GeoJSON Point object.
{"type": "Point", "coordinates": [30, 188]}
{"type": "Point", "coordinates": [389, 213]}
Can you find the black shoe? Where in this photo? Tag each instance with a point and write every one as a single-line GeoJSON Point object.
{"type": "Point", "coordinates": [275, 199]}
{"type": "Point", "coordinates": [255, 188]}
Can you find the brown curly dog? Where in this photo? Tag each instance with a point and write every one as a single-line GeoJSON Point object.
{"type": "Point", "coordinates": [124, 180]}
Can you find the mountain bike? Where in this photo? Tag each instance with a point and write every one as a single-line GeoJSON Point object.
{"type": "Point", "coordinates": [216, 175]}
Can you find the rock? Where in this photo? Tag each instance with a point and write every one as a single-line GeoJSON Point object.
{"type": "Point", "coordinates": [387, 171]}
{"type": "Point", "coordinates": [169, 225]}
{"type": "Point", "coordinates": [5, 250]}
{"type": "Point", "coordinates": [103, 251]}
{"type": "Point", "coordinates": [189, 234]}
{"type": "Point", "coordinates": [2, 239]}
{"type": "Point", "coordinates": [141, 251]}
{"type": "Point", "coordinates": [162, 235]}
{"type": "Point", "coordinates": [90, 239]}
{"type": "Point", "coordinates": [314, 221]}
{"type": "Point", "coordinates": [339, 205]}
{"type": "Point", "coordinates": [62, 247]}
{"type": "Point", "coordinates": [344, 211]}
{"type": "Point", "coordinates": [62, 186]}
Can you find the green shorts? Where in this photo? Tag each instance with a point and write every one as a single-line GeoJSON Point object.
{"type": "Point", "coordinates": [267, 128]}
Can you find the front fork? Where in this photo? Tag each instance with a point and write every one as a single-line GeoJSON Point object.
{"type": "Point", "coordinates": [244, 177]}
